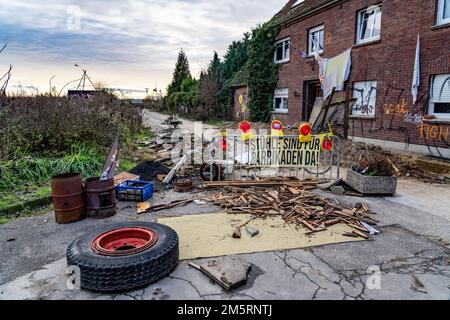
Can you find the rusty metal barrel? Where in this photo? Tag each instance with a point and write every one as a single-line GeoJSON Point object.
{"type": "Point", "coordinates": [68, 198]}
{"type": "Point", "coordinates": [100, 198]}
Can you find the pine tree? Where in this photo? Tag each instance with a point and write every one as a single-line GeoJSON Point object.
{"type": "Point", "coordinates": [181, 72]}
{"type": "Point", "coordinates": [215, 68]}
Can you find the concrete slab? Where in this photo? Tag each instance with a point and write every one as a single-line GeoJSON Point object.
{"type": "Point", "coordinates": [229, 272]}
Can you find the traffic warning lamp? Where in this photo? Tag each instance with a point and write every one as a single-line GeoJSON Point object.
{"type": "Point", "coordinates": [327, 144]}
{"type": "Point", "coordinates": [277, 129]}
{"type": "Point", "coordinates": [305, 132]}
{"type": "Point", "coordinates": [246, 128]}
{"type": "Point", "coordinates": [223, 144]}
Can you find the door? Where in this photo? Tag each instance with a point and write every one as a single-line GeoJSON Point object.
{"type": "Point", "coordinates": [312, 90]}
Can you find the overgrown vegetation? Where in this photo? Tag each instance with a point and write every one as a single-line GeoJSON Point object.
{"type": "Point", "coordinates": [248, 61]}
{"type": "Point", "coordinates": [263, 72]}
{"type": "Point", "coordinates": [44, 136]}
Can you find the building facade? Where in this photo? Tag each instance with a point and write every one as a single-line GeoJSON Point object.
{"type": "Point", "coordinates": [383, 36]}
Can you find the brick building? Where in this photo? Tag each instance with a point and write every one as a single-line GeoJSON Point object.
{"type": "Point", "coordinates": [383, 38]}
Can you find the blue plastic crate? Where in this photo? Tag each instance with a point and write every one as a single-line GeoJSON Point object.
{"type": "Point", "coordinates": [132, 190]}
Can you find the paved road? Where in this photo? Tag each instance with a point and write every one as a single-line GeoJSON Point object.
{"type": "Point", "coordinates": [408, 260]}
{"type": "Point", "coordinates": [154, 121]}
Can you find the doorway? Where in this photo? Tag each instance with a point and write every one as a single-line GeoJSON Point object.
{"type": "Point", "coordinates": [312, 90]}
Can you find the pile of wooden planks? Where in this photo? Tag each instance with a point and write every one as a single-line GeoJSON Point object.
{"type": "Point", "coordinates": [295, 204]}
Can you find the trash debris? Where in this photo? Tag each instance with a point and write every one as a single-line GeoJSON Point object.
{"type": "Point", "coordinates": [183, 185]}
{"type": "Point", "coordinates": [147, 171]}
{"type": "Point", "coordinates": [170, 205]}
{"type": "Point", "coordinates": [337, 190]}
{"type": "Point", "coordinates": [294, 204]}
{"type": "Point", "coordinates": [124, 176]}
{"type": "Point", "coordinates": [171, 174]}
{"type": "Point", "coordinates": [372, 230]}
{"type": "Point", "coordinates": [200, 202]}
{"type": "Point", "coordinates": [112, 161]}
{"type": "Point", "coordinates": [252, 232]}
{"type": "Point", "coordinates": [417, 285]}
{"type": "Point", "coordinates": [237, 233]}
{"type": "Point", "coordinates": [142, 207]}
{"type": "Point", "coordinates": [229, 272]}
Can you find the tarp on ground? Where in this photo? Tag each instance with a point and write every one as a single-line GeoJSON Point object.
{"type": "Point", "coordinates": [210, 235]}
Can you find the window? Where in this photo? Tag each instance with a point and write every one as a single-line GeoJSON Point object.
{"type": "Point", "coordinates": [282, 51]}
{"type": "Point", "coordinates": [280, 100]}
{"type": "Point", "coordinates": [366, 95]}
{"type": "Point", "coordinates": [315, 40]}
{"type": "Point", "coordinates": [440, 96]}
{"type": "Point", "coordinates": [443, 15]}
{"type": "Point", "coordinates": [369, 24]}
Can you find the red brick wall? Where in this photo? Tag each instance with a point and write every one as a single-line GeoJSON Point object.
{"type": "Point", "coordinates": [390, 62]}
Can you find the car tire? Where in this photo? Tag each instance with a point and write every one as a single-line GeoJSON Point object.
{"type": "Point", "coordinates": [104, 273]}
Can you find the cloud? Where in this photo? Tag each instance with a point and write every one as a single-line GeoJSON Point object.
{"type": "Point", "coordinates": [135, 35]}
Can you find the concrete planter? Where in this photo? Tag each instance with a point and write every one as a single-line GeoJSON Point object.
{"type": "Point", "coordinates": [371, 185]}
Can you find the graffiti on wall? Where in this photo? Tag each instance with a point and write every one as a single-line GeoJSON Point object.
{"type": "Point", "coordinates": [411, 123]}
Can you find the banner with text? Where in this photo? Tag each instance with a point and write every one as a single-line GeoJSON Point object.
{"type": "Point", "coordinates": [284, 152]}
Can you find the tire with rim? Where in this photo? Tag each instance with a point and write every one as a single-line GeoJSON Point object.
{"type": "Point", "coordinates": [106, 267]}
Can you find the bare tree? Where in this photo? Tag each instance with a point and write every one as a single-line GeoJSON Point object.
{"type": "Point", "coordinates": [5, 78]}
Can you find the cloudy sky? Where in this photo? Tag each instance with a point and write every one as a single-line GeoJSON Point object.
{"type": "Point", "coordinates": [123, 43]}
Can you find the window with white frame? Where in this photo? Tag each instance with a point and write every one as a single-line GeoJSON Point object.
{"type": "Point", "coordinates": [369, 24]}
{"type": "Point", "coordinates": [365, 93]}
{"type": "Point", "coordinates": [280, 100]}
{"type": "Point", "coordinates": [282, 51]}
{"type": "Point", "coordinates": [443, 12]}
{"type": "Point", "coordinates": [440, 96]}
{"type": "Point", "coordinates": [315, 40]}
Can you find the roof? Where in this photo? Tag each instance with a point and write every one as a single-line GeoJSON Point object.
{"type": "Point", "coordinates": [240, 79]}
{"type": "Point", "coordinates": [305, 8]}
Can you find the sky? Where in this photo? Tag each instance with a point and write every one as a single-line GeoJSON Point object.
{"type": "Point", "coordinates": [122, 43]}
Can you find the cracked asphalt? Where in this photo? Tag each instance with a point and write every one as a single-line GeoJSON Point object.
{"type": "Point", "coordinates": [409, 260]}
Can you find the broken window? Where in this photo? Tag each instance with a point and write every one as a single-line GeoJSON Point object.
{"type": "Point", "coordinates": [365, 93]}
{"type": "Point", "coordinates": [440, 96]}
{"type": "Point", "coordinates": [315, 40]}
{"type": "Point", "coordinates": [443, 15]}
{"type": "Point", "coordinates": [282, 51]}
{"type": "Point", "coordinates": [280, 100]}
{"type": "Point", "coordinates": [369, 24]}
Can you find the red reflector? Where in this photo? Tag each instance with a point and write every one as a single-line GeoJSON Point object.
{"type": "Point", "coordinates": [327, 144]}
{"type": "Point", "coordinates": [305, 129]}
{"type": "Point", "coordinates": [245, 126]}
{"type": "Point", "coordinates": [223, 144]}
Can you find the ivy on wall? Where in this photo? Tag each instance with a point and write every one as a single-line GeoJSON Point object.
{"type": "Point", "coordinates": [262, 71]}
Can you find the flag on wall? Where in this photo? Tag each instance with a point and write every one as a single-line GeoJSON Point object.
{"type": "Point", "coordinates": [416, 75]}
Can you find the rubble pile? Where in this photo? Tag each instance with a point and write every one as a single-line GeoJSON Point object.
{"type": "Point", "coordinates": [157, 154]}
{"type": "Point", "coordinates": [404, 163]}
{"type": "Point", "coordinates": [293, 201]}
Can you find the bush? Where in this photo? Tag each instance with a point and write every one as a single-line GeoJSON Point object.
{"type": "Point", "coordinates": [45, 125]}
{"type": "Point", "coordinates": [26, 168]}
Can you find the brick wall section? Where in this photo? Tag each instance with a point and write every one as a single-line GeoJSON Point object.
{"type": "Point", "coordinates": [389, 61]}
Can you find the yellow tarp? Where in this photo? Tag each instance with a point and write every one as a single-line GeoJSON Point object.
{"type": "Point", "coordinates": [210, 235]}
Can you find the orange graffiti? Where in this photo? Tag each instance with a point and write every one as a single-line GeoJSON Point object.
{"type": "Point", "coordinates": [328, 38]}
{"type": "Point", "coordinates": [399, 108]}
{"type": "Point", "coordinates": [434, 133]}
